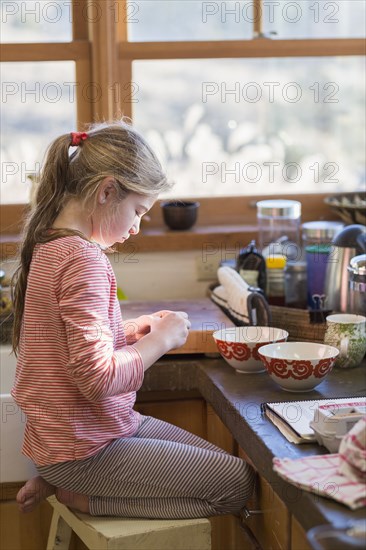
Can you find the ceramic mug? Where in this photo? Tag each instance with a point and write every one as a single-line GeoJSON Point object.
{"type": "Point", "coordinates": [347, 333]}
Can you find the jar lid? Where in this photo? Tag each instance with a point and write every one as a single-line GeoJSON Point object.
{"type": "Point", "coordinates": [279, 209]}
{"type": "Point", "coordinates": [321, 230]}
{"type": "Point", "coordinates": [275, 262]}
{"type": "Point", "coordinates": [322, 248]}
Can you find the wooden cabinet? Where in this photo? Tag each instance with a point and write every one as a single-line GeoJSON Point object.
{"type": "Point", "coordinates": [272, 529]}
{"type": "Point", "coordinates": [30, 531]}
{"type": "Point", "coordinates": [189, 414]}
{"type": "Point", "coordinates": [24, 531]}
{"type": "Point", "coordinates": [217, 432]}
{"type": "Point", "coordinates": [298, 536]}
{"type": "Point", "coordinates": [268, 530]}
{"type": "Point", "coordinates": [271, 526]}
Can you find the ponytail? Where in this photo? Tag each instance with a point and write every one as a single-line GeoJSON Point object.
{"type": "Point", "coordinates": [49, 200]}
{"type": "Point", "coordinates": [108, 150]}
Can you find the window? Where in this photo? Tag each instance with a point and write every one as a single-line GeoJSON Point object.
{"type": "Point", "coordinates": [38, 103]}
{"type": "Point", "coordinates": [254, 126]}
{"type": "Point", "coordinates": [283, 117]}
{"type": "Point", "coordinates": [238, 97]}
{"type": "Point", "coordinates": [44, 79]}
{"type": "Point", "coordinates": [27, 21]}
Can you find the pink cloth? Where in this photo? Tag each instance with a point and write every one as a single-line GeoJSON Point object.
{"type": "Point", "coordinates": [76, 376]}
{"type": "Point", "coordinates": [338, 476]}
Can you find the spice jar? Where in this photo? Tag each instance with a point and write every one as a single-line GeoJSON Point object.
{"type": "Point", "coordinates": [275, 280]}
{"type": "Point", "coordinates": [320, 232]}
{"type": "Point", "coordinates": [276, 219]}
{"type": "Point", "coordinates": [295, 285]}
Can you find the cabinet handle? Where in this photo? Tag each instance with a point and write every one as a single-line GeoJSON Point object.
{"type": "Point", "coordinates": [246, 514]}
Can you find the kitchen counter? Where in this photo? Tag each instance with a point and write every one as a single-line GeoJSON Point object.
{"type": "Point", "coordinates": [236, 399]}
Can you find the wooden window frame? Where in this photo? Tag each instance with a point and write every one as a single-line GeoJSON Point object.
{"type": "Point", "coordinates": [103, 55]}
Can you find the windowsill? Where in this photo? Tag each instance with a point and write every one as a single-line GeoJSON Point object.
{"type": "Point", "coordinates": [210, 230]}
{"type": "Point", "coordinates": [165, 240]}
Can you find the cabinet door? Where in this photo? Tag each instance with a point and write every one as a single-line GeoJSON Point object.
{"type": "Point", "coordinates": [271, 527]}
{"type": "Point", "coordinates": [187, 414]}
{"type": "Point", "coordinates": [298, 536]}
{"type": "Point", "coordinates": [223, 527]}
{"type": "Point", "coordinates": [23, 531]}
{"type": "Point", "coordinates": [218, 434]}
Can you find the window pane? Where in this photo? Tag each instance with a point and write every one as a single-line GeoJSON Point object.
{"type": "Point", "coordinates": [36, 21]}
{"type": "Point", "coordinates": [38, 103]}
{"type": "Point", "coordinates": [314, 18]}
{"type": "Point", "coordinates": [239, 127]}
{"type": "Point", "coordinates": [163, 20]}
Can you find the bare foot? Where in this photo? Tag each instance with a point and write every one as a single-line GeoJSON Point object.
{"type": "Point", "coordinates": [76, 501]}
{"type": "Point", "coordinates": [32, 493]}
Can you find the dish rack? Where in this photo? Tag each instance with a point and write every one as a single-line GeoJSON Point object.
{"type": "Point", "coordinates": [350, 207]}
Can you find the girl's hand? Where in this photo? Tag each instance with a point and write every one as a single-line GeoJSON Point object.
{"type": "Point", "coordinates": [167, 330]}
{"type": "Point", "coordinates": [140, 326]}
{"type": "Point", "coordinates": [172, 328]}
{"type": "Point", "coordinates": [137, 328]}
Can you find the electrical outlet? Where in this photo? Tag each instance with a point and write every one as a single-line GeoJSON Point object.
{"type": "Point", "coordinates": [206, 270]}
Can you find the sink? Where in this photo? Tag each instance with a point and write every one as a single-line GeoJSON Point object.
{"type": "Point", "coordinates": [14, 466]}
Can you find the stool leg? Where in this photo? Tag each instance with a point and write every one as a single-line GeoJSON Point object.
{"type": "Point", "coordinates": [60, 533]}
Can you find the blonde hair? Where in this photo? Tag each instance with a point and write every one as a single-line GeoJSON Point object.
{"type": "Point", "coordinates": [114, 150]}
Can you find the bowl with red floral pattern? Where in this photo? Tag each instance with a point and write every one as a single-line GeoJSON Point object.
{"type": "Point", "coordinates": [239, 346]}
{"type": "Point", "coordinates": [298, 366]}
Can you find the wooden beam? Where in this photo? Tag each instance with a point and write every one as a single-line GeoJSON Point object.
{"type": "Point", "coordinates": [104, 55]}
{"type": "Point", "coordinates": [80, 29]}
{"type": "Point", "coordinates": [258, 18]}
{"type": "Point", "coordinates": [83, 72]}
{"type": "Point", "coordinates": [259, 47]}
{"type": "Point", "coordinates": [55, 51]}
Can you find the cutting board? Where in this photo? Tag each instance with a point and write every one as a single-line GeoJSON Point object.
{"type": "Point", "coordinates": [204, 315]}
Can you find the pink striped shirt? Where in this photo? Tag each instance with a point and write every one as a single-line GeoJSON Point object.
{"type": "Point", "coordinates": [76, 376]}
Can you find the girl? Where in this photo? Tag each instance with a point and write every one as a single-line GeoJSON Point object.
{"type": "Point", "coordinates": [78, 370]}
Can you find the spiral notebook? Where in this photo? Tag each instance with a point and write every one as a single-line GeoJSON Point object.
{"type": "Point", "coordinates": [293, 418]}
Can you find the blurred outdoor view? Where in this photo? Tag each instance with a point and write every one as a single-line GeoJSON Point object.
{"type": "Point", "coordinates": [220, 126]}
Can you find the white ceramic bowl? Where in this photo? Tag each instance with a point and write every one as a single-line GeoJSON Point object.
{"type": "Point", "coordinates": [239, 345]}
{"type": "Point", "coordinates": [298, 366]}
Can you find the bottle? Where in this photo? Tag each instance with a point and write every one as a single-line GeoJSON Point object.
{"type": "Point", "coordinates": [317, 239]}
{"type": "Point", "coordinates": [251, 266]}
{"type": "Point", "coordinates": [295, 285]}
{"type": "Point", "coordinates": [276, 280]}
{"type": "Point", "coordinates": [276, 219]}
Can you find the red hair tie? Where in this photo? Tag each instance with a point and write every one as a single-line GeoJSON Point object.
{"type": "Point", "coordinates": [77, 138]}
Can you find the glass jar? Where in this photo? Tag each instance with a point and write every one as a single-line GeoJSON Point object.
{"type": "Point", "coordinates": [295, 285]}
{"type": "Point", "coordinates": [320, 232]}
{"type": "Point", "coordinates": [275, 280]}
{"type": "Point", "coordinates": [278, 218]}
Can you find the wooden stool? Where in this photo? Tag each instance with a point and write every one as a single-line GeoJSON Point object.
{"type": "Point", "coordinates": [107, 533]}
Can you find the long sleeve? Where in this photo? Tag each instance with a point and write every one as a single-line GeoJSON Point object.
{"type": "Point", "coordinates": [76, 376]}
{"type": "Point", "coordinates": [86, 293]}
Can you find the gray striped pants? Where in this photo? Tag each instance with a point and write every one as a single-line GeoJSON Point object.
{"type": "Point", "coordinates": [160, 472]}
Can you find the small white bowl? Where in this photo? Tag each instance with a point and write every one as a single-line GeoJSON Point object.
{"type": "Point", "coordinates": [298, 366]}
{"type": "Point", "coordinates": [239, 345]}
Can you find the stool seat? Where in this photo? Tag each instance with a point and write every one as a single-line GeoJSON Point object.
{"type": "Point", "coordinates": [114, 533]}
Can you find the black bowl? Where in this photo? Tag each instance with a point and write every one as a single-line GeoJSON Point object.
{"type": "Point", "coordinates": [180, 215]}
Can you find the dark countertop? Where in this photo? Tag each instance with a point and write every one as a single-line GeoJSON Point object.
{"type": "Point", "coordinates": [237, 398]}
